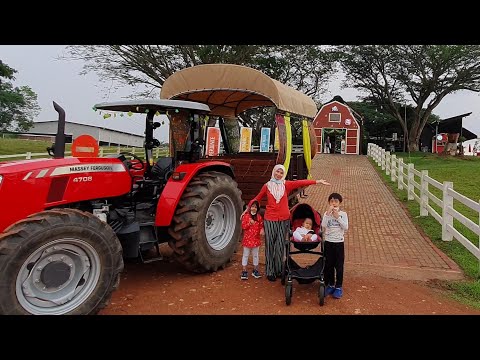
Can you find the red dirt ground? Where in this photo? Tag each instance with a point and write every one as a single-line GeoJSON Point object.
{"type": "Point", "coordinates": [165, 288]}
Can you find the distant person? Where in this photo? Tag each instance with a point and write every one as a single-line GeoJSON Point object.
{"type": "Point", "coordinates": [277, 216]}
{"type": "Point", "coordinates": [253, 232]}
{"type": "Point", "coordinates": [334, 225]}
{"type": "Point", "coordinates": [328, 145]}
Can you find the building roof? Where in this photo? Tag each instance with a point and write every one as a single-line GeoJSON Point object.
{"type": "Point", "coordinates": [96, 127]}
{"type": "Point", "coordinates": [231, 89]}
{"type": "Point", "coordinates": [454, 125]}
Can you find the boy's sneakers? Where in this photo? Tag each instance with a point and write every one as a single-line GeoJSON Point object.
{"type": "Point", "coordinates": [337, 294]}
{"type": "Point", "coordinates": [329, 290]}
{"type": "Point", "coordinates": [256, 274]}
{"type": "Point", "coordinates": [244, 275]}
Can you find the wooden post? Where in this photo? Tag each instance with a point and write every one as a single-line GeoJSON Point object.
{"type": "Point", "coordinates": [387, 162]}
{"type": "Point", "coordinates": [101, 152]}
{"type": "Point", "coordinates": [424, 194]}
{"type": "Point", "coordinates": [383, 159]}
{"type": "Point", "coordinates": [447, 219]}
{"type": "Point", "coordinates": [29, 155]}
{"type": "Point", "coordinates": [409, 182]}
{"type": "Point", "coordinates": [393, 168]}
{"type": "Point", "coordinates": [400, 174]}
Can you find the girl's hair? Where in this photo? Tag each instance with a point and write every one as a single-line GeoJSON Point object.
{"type": "Point", "coordinates": [254, 217]}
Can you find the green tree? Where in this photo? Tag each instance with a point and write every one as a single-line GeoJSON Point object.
{"type": "Point", "coordinates": [418, 74]}
{"type": "Point", "coordinates": [304, 67]}
{"type": "Point", "coordinates": [18, 105]}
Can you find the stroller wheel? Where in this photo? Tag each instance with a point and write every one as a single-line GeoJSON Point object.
{"type": "Point", "coordinates": [321, 294]}
{"type": "Point", "coordinates": [288, 293]}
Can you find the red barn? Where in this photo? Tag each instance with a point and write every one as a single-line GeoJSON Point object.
{"type": "Point", "coordinates": [335, 121]}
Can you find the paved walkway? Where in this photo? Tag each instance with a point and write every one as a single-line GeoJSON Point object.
{"type": "Point", "coordinates": [382, 238]}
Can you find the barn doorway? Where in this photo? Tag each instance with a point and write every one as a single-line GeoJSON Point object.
{"type": "Point", "coordinates": [335, 137]}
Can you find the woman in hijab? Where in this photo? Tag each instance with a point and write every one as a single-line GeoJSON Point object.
{"type": "Point", "coordinates": [277, 216]}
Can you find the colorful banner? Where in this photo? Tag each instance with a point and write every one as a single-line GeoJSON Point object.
{"type": "Point", "coordinates": [307, 150]}
{"type": "Point", "coordinates": [265, 140]}
{"type": "Point", "coordinates": [276, 145]}
{"type": "Point", "coordinates": [288, 154]}
{"type": "Point", "coordinates": [245, 139]}
{"type": "Point", "coordinates": [213, 141]}
{"type": "Point", "coordinates": [282, 139]}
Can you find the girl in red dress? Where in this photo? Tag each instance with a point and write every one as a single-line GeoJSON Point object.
{"type": "Point", "coordinates": [252, 225]}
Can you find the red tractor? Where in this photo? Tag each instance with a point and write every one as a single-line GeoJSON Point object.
{"type": "Point", "coordinates": [67, 223]}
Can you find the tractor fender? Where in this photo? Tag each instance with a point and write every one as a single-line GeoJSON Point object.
{"type": "Point", "coordinates": [171, 194]}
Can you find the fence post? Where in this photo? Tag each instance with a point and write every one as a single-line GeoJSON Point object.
{"type": "Point", "coordinates": [387, 162]}
{"type": "Point", "coordinates": [133, 150]}
{"type": "Point", "coordinates": [400, 174]}
{"type": "Point", "coordinates": [368, 149]}
{"type": "Point", "coordinates": [447, 219]}
{"type": "Point", "coordinates": [383, 159]}
{"type": "Point", "coordinates": [156, 152]}
{"type": "Point", "coordinates": [101, 152]}
{"type": "Point", "coordinates": [393, 167]}
{"type": "Point", "coordinates": [424, 194]}
{"type": "Point", "coordinates": [409, 182]}
{"type": "Point", "coordinates": [28, 155]}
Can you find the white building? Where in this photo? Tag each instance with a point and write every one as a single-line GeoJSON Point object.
{"type": "Point", "coordinates": [106, 136]}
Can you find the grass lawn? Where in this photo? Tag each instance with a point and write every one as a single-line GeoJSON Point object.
{"type": "Point", "coordinates": [464, 173]}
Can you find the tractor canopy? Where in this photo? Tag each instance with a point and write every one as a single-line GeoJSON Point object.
{"type": "Point", "coordinates": [254, 122]}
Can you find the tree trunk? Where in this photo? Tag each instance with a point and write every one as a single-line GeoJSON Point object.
{"type": "Point", "coordinates": [412, 145]}
{"type": "Point", "coordinates": [413, 139]}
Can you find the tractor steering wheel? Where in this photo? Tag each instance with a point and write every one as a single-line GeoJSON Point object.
{"type": "Point", "coordinates": [139, 165]}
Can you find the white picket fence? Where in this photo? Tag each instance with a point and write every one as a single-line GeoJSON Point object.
{"type": "Point", "coordinates": [157, 152]}
{"type": "Point", "coordinates": [400, 172]}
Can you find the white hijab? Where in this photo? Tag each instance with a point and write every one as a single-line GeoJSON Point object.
{"type": "Point", "coordinates": [277, 187]}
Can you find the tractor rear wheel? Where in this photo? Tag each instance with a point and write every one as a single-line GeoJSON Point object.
{"type": "Point", "coordinates": [206, 227]}
{"type": "Point", "coordinates": [61, 261]}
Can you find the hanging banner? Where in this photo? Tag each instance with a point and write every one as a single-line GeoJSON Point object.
{"type": "Point", "coordinates": [245, 139]}
{"type": "Point", "coordinates": [307, 150]}
{"type": "Point", "coordinates": [265, 140]}
{"type": "Point", "coordinates": [276, 145]}
{"type": "Point", "coordinates": [213, 141]}
{"type": "Point", "coordinates": [282, 139]}
{"type": "Point", "coordinates": [288, 130]}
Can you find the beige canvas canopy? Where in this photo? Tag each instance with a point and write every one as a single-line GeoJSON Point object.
{"type": "Point", "coordinates": [230, 89]}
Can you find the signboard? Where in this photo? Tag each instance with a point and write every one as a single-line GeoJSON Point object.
{"type": "Point", "coordinates": [265, 139]}
{"type": "Point", "coordinates": [213, 141]}
{"type": "Point", "coordinates": [245, 139]}
{"type": "Point", "coordinates": [85, 146]}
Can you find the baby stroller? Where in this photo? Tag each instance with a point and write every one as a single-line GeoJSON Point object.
{"type": "Point", "coordinates": [290, 269]}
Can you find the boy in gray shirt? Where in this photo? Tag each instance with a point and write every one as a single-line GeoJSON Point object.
{"type": "Point", "coordinates": [334, 225]}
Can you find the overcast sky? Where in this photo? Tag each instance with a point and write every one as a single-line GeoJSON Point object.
{"type": "Point", "coordinates": [59, 80]}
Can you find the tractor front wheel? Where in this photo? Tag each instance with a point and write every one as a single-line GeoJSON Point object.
{"type": "Point", "coordinates": [61, 261]}
{"type": "Point", "coordinates": [206, 227]}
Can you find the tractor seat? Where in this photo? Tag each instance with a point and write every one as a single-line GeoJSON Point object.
{"type": "Point", "coordinates": [163, 168]}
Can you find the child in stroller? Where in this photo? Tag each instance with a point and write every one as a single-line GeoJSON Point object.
{"type": "Point", "coordinates": [306, 244]}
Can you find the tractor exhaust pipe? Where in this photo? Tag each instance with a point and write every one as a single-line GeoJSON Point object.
{"type": "Point", "coordinates": [59, 146]}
